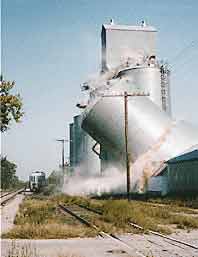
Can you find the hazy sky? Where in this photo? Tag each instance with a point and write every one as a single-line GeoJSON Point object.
{"type": "Point", "coordinates": [49, 47]}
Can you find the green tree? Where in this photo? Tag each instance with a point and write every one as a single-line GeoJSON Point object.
{"type": "Point", "coordinates": [8, 174]}
{"type": "Point", "coordinates": [11, 105]}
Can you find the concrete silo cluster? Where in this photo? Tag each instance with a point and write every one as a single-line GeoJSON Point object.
{"type": "Point", "coordinates": [129, 64]}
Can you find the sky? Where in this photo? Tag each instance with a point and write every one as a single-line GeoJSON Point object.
{"type": "Point", "coordinates": [50, 47]}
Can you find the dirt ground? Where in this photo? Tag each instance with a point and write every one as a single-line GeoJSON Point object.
{"type": "Point", "coordinates": [141, 245]}
{"type": "Point", "coordinates": [8, 213]}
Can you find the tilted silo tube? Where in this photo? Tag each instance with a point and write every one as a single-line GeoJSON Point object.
{"type": "Point", "coordinates": [153, 136]}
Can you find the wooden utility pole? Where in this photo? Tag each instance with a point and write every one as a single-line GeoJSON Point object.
{"type": "Point", "coordinates": [126, 95]}
{"type": "Point", "coordinates": [63, 152]}
{"type": "Point", "coordinates": [126, 144]}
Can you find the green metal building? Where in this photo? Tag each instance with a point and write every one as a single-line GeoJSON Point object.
{"type": "Point", "coordinates": [182, 173]}
{"type": "Point", "coordinates": [179, 176]}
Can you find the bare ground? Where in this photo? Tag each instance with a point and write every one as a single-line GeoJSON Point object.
{"type": "Point", "coordinates": [147, 245]}
{"type": "Point", "coordinates": [8, 213]}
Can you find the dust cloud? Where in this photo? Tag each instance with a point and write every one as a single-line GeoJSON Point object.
{"type": "Point", "coordinates": [112, 180]}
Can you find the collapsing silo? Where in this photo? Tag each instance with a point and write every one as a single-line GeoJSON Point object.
{"type": "Point", "coordinates": [153, 136]}
{"type": "Point", "coordinates": [129, 64]}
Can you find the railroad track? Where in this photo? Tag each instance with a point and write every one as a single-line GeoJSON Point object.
{"type": "Point", "coordinates": [4, 194]}
{"type": "Point", "coordinates": [77, 212]}
{"type": "Point", "coordinates": [10, 195]}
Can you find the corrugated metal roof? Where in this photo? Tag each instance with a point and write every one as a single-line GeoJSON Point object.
{"type": "Point", "coordinates": [160, 170]}
{"type": "Point", "coordinates": [192, 148]}
{"type": "Point", "coordinates": [193, 155]}
{"type": "Point", "coordinates": [127, 27]}
{"type": "Point", "coordinates": [187, 156]}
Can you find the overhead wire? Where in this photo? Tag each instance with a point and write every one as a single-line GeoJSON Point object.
{"type": "Point", "coordinates": [184, 65]}
{"type": "Point", "coordinates": [180, 56]}
{"type": "Point", "coordinates": [182, 52]}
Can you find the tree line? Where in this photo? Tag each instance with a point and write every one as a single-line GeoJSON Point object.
{"type": "Point", "coordinates": [9, 180]}
{"type": "Point", "coordinates": [11, 111]}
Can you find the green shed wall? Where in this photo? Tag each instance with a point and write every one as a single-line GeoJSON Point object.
{"type": "Point", "coordinates": [183, 176]}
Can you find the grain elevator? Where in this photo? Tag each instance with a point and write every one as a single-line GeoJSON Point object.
{"type": "Point", "coordinates": [129, 63]}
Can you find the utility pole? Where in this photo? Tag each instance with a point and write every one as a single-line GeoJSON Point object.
{"type": "Point", "coordinates": [126, 143]}
{"type": "Point", "coordinates": [126, 95]}
{"type": "Point", "coordinates": [63, 152]}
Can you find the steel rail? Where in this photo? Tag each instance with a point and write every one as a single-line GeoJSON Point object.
{"type": "Point", "coordinates": [8, 193]}
{"type": "Point", "coordinates": [194, 210]}
{"type": "Point", "coordinates": [117, 239]}
{"type": "Point", "coordinates": [3, 195]}
{"type": "Point", "coordinates": [11, 194]}
{"type": "Point", "coordinates": [90, 209]}
{"type": "Point", "coordinates": [82, 220]}
{"type": "Point", "coordinates": [100, 233]}
{"type": "Point", "coordinates": [150, 231]}
{"type": "Point", "coordinates": [164, 236]}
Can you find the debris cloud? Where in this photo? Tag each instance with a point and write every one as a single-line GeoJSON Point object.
{"type": "Point", "coordinates": [112, 180]}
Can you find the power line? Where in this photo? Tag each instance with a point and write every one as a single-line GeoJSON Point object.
{"type": "Point", "coordinates": [184, 51]}
{"type": "Point", "coordinates": [62, 141]}
{"type": "Point", "coordinates": [185, 65]}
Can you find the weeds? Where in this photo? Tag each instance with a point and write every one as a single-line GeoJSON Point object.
{"type": "Point", "coordinates": [39, 217]}
{"type": "Point", "coordinates": [176, 201]}
{"type": "Point", "coordinates": [117, 212]}
{"type": "Point", "coordinates": [35, 212]}
{"type": "Point", "coordinates": [120, 212]}
{"type": "Point", "coordinates": [49, 231]}
{"type": "Point", "coordinates": [184, 222]}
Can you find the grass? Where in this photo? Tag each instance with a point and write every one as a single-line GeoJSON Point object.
{"type": "Point", "coordinates": [184, 222]}
{"type": "Point", "coordinates": [49, 231]}
{"type": "Point", "coordinates": [120, 213]}
{"type": "Point", "coordinates": [176, 201]}
{"type": "Point", "coordinates": [158, 218]}
{"type": "Point", "coordinates": [36, 212]}
{"type": "Point", "coordinates": [39, 217]}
